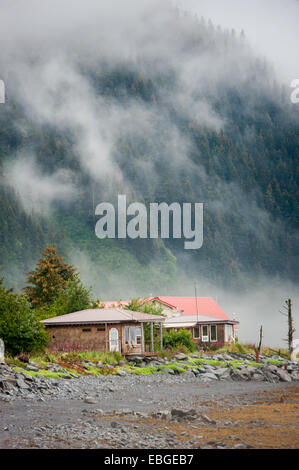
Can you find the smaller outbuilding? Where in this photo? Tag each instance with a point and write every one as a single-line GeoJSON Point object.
{"type": "Point", "coordinates": [104, 329]}
{"type": "Point", "coordinates": [204, 329]}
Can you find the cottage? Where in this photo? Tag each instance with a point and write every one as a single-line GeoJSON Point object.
{"type": "Point", "coordinates": [202, 316]}
{"type": "Point", "coordinates": [103, 329]}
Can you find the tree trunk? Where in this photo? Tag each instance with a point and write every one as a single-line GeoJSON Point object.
{"type": "Point", "coordinates": [291, 328]}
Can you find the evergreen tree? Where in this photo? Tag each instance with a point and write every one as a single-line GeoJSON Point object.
{"type": "Point", "coordinates": [49, 278]}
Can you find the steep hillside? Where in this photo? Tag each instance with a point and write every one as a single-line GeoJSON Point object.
{"type": "Point", "coordinates": [189, 115]}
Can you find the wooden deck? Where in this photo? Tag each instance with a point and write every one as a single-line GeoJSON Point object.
{"type": "Point", "coordinates": [143, 354]}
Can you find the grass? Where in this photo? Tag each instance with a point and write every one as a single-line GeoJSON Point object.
{"type": "Point", "coordinates": [174, 366]}
{"type": "Point", "coordinates": [73, 362]}
{"type": "Point", "coordinates": [44, 373]}
{"type": "Point", "coordinates": [141, 370]}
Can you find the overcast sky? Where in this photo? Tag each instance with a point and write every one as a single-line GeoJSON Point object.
{"type": "Point", "coordinates": [272, 26]}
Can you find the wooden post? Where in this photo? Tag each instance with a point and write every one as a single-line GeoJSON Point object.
{"type": "Point", "coordinates": [291, 330]}
{"type": "Point", "coordinates": [259, 348]}
{"type": "Point", "coordinates": [161, 336]}
{"type": "Point", "coordinates": [106, 343]}
{"type": "Point", "coordinates": [152, 336]}
{"type": "Point", "coordinates": [261, 337]}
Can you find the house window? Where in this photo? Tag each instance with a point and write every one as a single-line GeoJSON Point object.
{"type": "Point", "coordinates": [138, 335]}
{"type": "Point", "coordinates": [205, 334]}
{"type": "Point", "coordinates": [86, 329]}
{"type": "Point", "coordinates": [101, 329]}
{"type": "Point", "coordinates": [133, 335]}
{"type": "Point", "coordinates": [196, 334]}
{"type": "Point", "coordinates": [127, 334]}
{"type": "Point", "coordinates": [213, 333]}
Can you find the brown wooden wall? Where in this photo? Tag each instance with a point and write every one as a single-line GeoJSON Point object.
{"type": "Point", "coordinates": [74, 335]}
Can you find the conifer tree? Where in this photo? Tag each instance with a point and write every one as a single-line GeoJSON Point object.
{"type": "Point", "coordinates": [48, 279]}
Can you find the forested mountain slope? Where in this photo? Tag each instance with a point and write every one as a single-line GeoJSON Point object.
{"type": "Point", "coordinates": [191, 115]}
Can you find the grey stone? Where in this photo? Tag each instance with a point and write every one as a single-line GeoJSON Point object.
{"type": "Point", "coordinates": [257, 377]}
{"type": "Point", "coordinates": [21, 384]}
{"type": "Point", "coordinates": [209, 376]}
{"type": "Point", "coordinates": [237, 375]}
{"type": "Point", "coordinates": [180, 356]}
{"type": "Point", "coordinates": [161, 414]}
{"type": "Point", "coordinates": [207, 420]}
{"type": "Point", "coordinates": [90, 400]}
{"type": "Point", "coordinates": [283, 375]}
{"type": "Point", "coordinates": [222, 372]}
{"type": "Point", "coordinates": [183, 414]}
{"type": "Point", "coordinates": [121, 373]}
{"type": "Point", "coordinates": [32, 368]}
{"type": "Point", "coordinates": [270, 377]}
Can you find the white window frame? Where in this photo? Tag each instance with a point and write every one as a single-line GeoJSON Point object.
{"type": "Point", "coordinates": [213, 340]}
{"type": "Point", "coordinates": [130, 341]}
{"type": "Point", "coordinates": [205, 338]}
{"type": "Point", "coordinates": [138, 335]}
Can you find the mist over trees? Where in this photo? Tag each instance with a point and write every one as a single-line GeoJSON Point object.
{"type": "Point", "coordinates": [178, 110]}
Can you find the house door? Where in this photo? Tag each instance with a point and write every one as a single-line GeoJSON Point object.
{"type": "Point", "coordinates": [113, 339]}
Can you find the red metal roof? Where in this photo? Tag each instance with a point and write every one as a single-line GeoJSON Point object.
{"type": "Point", "coordinates": [205, 306]}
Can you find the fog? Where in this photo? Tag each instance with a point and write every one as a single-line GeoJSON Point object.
{"type": "Point", "coordinates": [271, 26]}
{"type": "Point", "coordinates": [46, 49]}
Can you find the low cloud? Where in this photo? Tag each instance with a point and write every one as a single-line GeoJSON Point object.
{"type": "Point", "coordinates": [36, 190]}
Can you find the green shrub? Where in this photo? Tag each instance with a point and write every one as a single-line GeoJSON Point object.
{"type": "Point", "coordinates": [240, 348]}
{"type": "Point", "coordinates": [19, 328]}
{"type": "Point", "coordinates": [179, 339]}
{"type": "Point", "coordinates": [74, 298]}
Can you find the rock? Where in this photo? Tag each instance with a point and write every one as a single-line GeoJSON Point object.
{"type": "Point", "coordinates": [295, 375]}
{"type": "Point", "coordinates": [237, 375]}
{"type": "Point", "coordinates": [21, 384]}
{"type": "Point", "coordinates": [115, 424]}
{"type": "Point", "coordinates": [270, 368]}
{"type": "Point", "coordinates": [283, 375]}
{"type": "Point", "coordinates": [32, 368]}
{"type": "Point", "coordinates": [121, 373]}
{"type": "Point", "coordinates": [207, 420]}
{"type": "Point", "coordinates": [183, 414]}
{"type": "Point", "coordinates": [180, 356]}
{"type": "Point", "coordinates": [222, 372]}
{"type": "Point", "coordinates": [257, 377]}
{"type": "Point", "coordinates": [90, 400]}
{"type": "Point", "coordinates": [209, 367]}
{"type": "Point", "coordinates": [270, 377]}
{"type": "Point", "coordinates": [209, 376]}
{"type": "Point", "coordinates": [137, 359]}
{"type": "Point", "coordinates": [161, 414]}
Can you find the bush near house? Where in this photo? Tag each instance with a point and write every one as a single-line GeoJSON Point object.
{"type": "Point", "coordinates": [175, 339]}
{"type": "Point", "coordinates": [19, 327]}
{"type": "Point", "coordinates": [73, 298]}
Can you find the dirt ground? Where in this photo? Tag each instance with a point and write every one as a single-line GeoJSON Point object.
{"type": "Point", "coordinates": [270, 422]}
{"type": "Point", "coordinates": [257, 416]}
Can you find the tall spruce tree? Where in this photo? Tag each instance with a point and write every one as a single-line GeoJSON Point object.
{"type": "Point", "coordinates": [50, 277]}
